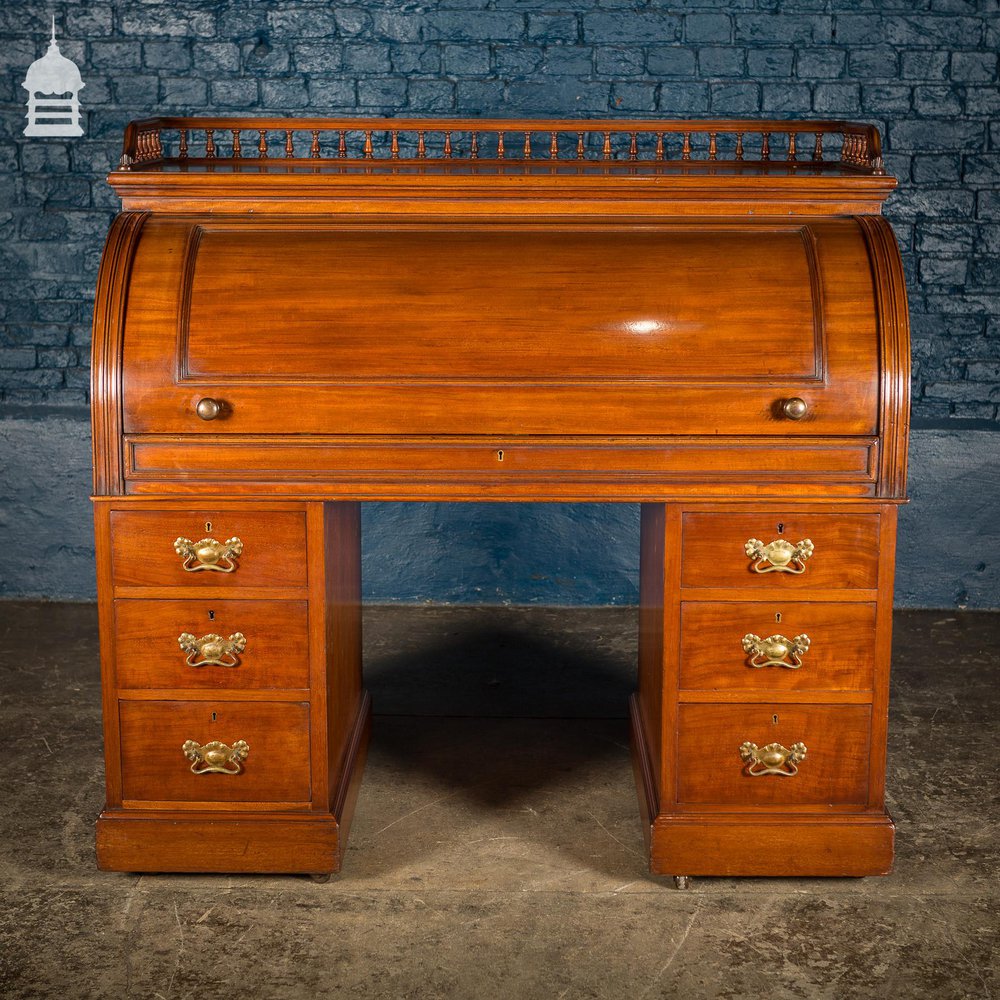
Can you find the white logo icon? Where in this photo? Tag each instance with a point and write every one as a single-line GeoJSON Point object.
{"type": "Point", "coordinates": [53, 84]}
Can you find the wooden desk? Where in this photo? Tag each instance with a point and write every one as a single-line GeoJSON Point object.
{"type": "Point", "coordinates": [708, 318]}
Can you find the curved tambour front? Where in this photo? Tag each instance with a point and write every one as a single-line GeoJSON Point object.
{"type": "Point", "coordinates": [314, 328]}
{"type": "Point", "coordinates": [670, 343]}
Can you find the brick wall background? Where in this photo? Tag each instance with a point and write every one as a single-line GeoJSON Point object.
{"type": "Point", "coordinates": [924, 70]}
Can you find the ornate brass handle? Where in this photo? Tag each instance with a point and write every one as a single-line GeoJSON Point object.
{"type": "Point", "coordinates": [775, 650]}
{"type": "Point", "coordinates": [216, 757]}
{"type": "Point", "coordinates": [772, 759]}
{"type": "Point", "coordinates": [212, 650]}
{"type": "Point", "coordinates": [779, 556]}
{"type": "Point", "coordinates": [795, 408]}
{"type": "Point", "coordinates": [209, 554]}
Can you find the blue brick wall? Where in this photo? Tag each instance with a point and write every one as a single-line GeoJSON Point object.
{"type": "Point", "coordinates": [924, 70]}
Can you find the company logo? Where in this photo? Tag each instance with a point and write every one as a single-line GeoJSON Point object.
{"type": "Point", "coordinates": [53, 84]}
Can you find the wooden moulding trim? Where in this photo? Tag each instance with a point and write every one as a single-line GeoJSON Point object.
{"type": "Point", "coordinates": [106, 353]}
{"type": "Point", "coordinates": [642, 766]}
{"type": "Point", "coordinates": [775, 844]}
{"type": "Point", "coordinates": [894, 354]}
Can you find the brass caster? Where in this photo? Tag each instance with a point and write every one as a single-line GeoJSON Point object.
{"type": "Point", "coordinates": [320, 879]}
{"type": "Point", "coordinates": [680, 881]}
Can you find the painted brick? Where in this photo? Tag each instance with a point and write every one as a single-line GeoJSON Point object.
{"type": "Point", "coordinates": [877, 63]}
{"type": "Point", "coordinates": [614, 27]}
{"type": "Point", "coordinates": [937, 100]}
{"type": "Point", "coordinates": [926, 70]}
{"type": "Point", "coordinates": [714, 61]}
{"type": "Point", "coordinates": [415, 60]}
{"type": "Point", "coordinates": [319, 57]}
{"type": "Point", "coordinates": [568, 60]}
{"type": "Point", "coordinates": [671, 60]}
{"type": "Point", "coordinates": [708, 28]}
{"type": "Point", "coordinates": [388, 93]}
{"type": "Point", "coordinates": [366, 59]}
{"type": "Point", "coordinates": [234, 93]}
{"type": "Point", "coordinates": [432, 96]}
{"type": "Point", "coordinates": [770, 62]}
{"type": "Point", "coordinates": [456, 26]}
{"type": "Point", "coordinates": [619, 62]}
{"type": "Point", "coordinates": [735, 98]}
{"type": "Point", "coordinates": [465, 60]}
{"type": "Point", "coordinates": [553, 28]}
{"type": "Point", "coordinates": [837, 99]}
{"type": "Point", "coordinates": [684, 98]}
{"type": "Point", "coordinates": [825, 63]}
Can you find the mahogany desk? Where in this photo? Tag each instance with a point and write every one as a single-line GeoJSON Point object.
{"type": "Point", "coordinates": [708, 318]}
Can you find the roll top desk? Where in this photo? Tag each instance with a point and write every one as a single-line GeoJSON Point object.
{"type": "Point", "coordinates": [293, 317]}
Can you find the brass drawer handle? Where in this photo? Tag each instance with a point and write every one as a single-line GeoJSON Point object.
{"type": "Point", "coordinates": [208, 408]}
{"type": "Point", "coordinates": [209, 554]}
{"type": "Point", "coordinates": [775, 650]}
{"type": "Point", "coordinates": [212, 650]}
{"type": "Point", "coordinates": [216, 757]}
{"type": "Point", "coordinates": [772, 759]}
{"type": "Point", "coordinates": [795, 408]}
{"type": "Point", "coordinates": [779, 556]}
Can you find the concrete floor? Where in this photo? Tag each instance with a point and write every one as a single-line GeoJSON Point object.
{"type": "Point", "coordinates": [496, 849]}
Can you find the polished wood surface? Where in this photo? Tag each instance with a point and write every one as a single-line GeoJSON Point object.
{"type": "Point", "coordinates": [845, 555]}
{"type": "Point", "coordinates": [149, 655]}
{"type": "Point", "coordinates": [155, 770]}
{"type": "Point", "coordinates": [142, 555]}
{"type": "Point", "coordinates": [708, 318]}
{"type": "Point", "coordinates": [840, 657]}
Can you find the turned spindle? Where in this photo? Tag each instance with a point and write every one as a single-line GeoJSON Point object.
{"type": "Point", "coordinates": [369, 152]}
{"type": "Point", "coordinates": [182, 149]}
{"type": "Point", "coordinates": [554, 146]}
{"type": "Point", "coordinates": [394, 145]}
{"type": "Point", "coordinates": [713, 146]}
{"type": "Point", "coordinates": [289, 146]}
{"type": "Point", "coordinates": [739, 146]}
{"type": "Point", "coordinates": [579, 146]}
{"type": "Point", "coordinates": [421, 146]}
{"type": "Point", "coordinates": [765, 146]}
{"type": "Point", "coordinates": [686, 147]}
{"type": "Point", "coordinates": [261, 144]}
{"type": "Point", "coordinates": [606, 149]}
{"type": "Point", "coordinates": [342, 145]}
{"type": "Point", "coordinates": [447, 145]}
{"type": "Point", "coordinates": [791, 146]}
{"type": "Point", "coordinates": [209, 144]}
{"type": "Point", "coordinates": [314, 147]}
{"type": "Point", "coordinates": [633, 147]}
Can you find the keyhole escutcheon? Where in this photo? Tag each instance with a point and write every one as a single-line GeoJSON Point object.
{"type": "Point", "coordinates": [500, 455]}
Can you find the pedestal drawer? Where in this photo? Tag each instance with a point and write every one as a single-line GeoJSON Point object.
{"type": "Point", "coordinates": [827, 763]}
{"type": "Point", "coordinates": [781, 552]}
{"type": "Point", "coordinates": [167, 753]}
{"type": "Point", "coordinates": [208, 548]}
{"type": "Point", "coordinates": [767, 648]}
{"type": "Point", "coordinates": [212, 644]}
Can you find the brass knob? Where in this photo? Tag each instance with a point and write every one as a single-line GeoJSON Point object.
{"type": "Point", "coordinates": [209, 409]}
{"type": "Point", "coordinates": [794, 408]}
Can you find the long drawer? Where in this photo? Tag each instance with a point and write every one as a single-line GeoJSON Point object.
{"type": "Point", "coordinates": [168, 754]}
{"type": "Point", "coordinates": [716, 746]}
{"type": "Point", "coordinates": [211, 644]}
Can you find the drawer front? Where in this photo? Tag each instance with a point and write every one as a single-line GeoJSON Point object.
{"type": "Point", "coordinates": [226, 644]}
{"type": "Point", "coordinates": [833, 772]}
{"type": "Point", "coordinates": [155, 768]}
{"type": "Point", "coordinates": [158, 548]}
{"type": "Point", "coordinates": [771, 647]}
{"type": "Point", "coordinates": [843, 553]}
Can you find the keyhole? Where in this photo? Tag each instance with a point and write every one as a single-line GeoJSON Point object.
{"type": "Point", "coordinates": [208, 525]}
{"type": "Point", "coordinates": [777, 617]}
{"type": "Point", "coordinates": [500, 455]}
{"type": "Point", "coordinates": [211, 616]}
{"type": "Point", "coordinates": [774, 720]}
{"type": "Point", "coordinates": [214, 717]}
{"type": "Point", "coordinates": [781, 527]}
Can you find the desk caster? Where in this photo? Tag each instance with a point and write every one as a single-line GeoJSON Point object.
{"type": "Point", "coordinates": [680, 881]}
{"type": "Point", "coordinates": [320, 879]}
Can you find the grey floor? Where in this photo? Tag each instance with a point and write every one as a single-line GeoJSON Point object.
{"type": "Point", "coordinates": [496, 850]}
